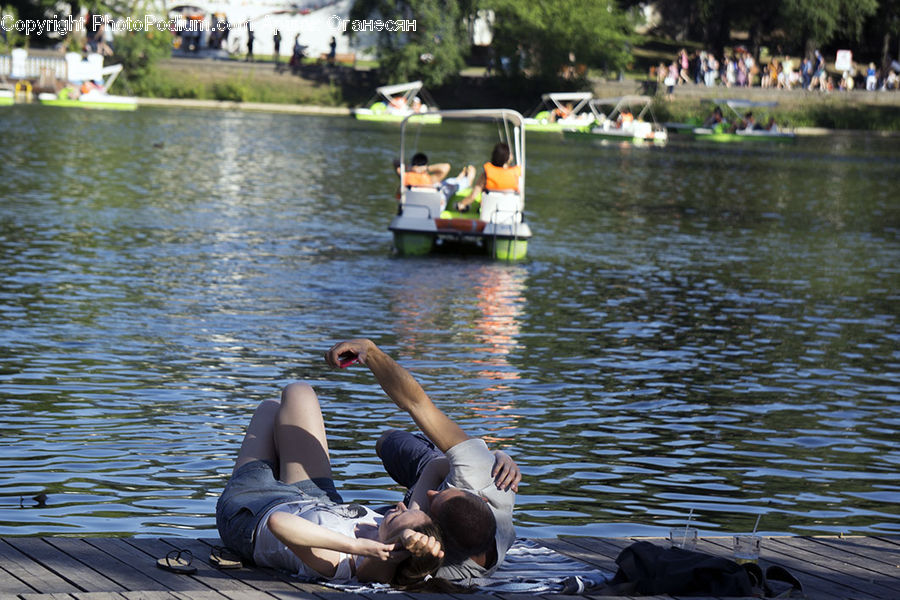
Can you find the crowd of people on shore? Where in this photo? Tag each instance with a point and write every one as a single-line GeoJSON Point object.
{"type": "Point", "coordinates": [740, 69]}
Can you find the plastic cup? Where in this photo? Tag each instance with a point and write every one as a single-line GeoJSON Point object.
{"type": "Point", "coordinates": [683, 537]}
{"type": "Point", "coordinates": [746, 548]}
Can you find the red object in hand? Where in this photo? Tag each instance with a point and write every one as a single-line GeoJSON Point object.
{"type": "Point", "coordinates": [346, 359]}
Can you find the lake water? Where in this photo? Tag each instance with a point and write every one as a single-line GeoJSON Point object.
{"type": "Point", "coordinates": [706, 328]}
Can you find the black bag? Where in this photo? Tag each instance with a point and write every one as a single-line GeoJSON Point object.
{"type": "Point", "coordinates": [647, 569]}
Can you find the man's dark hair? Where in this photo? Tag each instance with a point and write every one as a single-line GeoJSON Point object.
{"type": "Point", "coordinates": [419, 159]}
{"type": "Point", "coordinates": [500, 154]}
{"type": "Point", "coordinates": [468, 525]}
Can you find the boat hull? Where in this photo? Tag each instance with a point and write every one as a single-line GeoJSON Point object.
{"type": "Point", "coordinates": [708, 135]}
{"type": "Point", "coordinates": [365, 114]}
{"type": "Point", "coordinates": [458, 235]}
{"type": "Point", "coordinates": [548, 127]}
{"type": "Point", "coordinates": [111, 103]}
{"type": "Point", "coordinates": [656, 138]}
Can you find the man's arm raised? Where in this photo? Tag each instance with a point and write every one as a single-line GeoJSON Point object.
{"type": "Point", "coordinates": [400, 387]}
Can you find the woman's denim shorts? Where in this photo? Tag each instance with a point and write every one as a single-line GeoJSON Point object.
{"type": "Point", "coordinates": [251, 492]}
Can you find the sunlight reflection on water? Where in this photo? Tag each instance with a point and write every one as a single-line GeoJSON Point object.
{"type": "Point", "coordinates": [696, 328]}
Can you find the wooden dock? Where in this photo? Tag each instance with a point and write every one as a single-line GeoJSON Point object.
{"type": "Point", "coordinates": [64, 568]}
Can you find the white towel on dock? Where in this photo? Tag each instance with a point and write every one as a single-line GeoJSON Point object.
{"type": "Point", "coordinates": [528, 568]}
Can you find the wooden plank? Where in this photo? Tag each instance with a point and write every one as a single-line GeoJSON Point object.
{"type": "Point", "coordinates": [240, 580]}
{"type": "Point", "coordinates": [892, 539]}
{"type": "Point", "coordinates": [872, 548]}
{"type": "Point", "coordinates": [587, 555]}
{"type": "Point", "coordinates": [152, 595]}
{"type": "Point", "coordinates": [144, 552]}
{"type": "Point", "coordinates": [52, 596]}
{"type": "Point", "coordinates": [251, 595]}
{"type": "Point", "coordinates": [35, 575]}
{"type": "Point", "coordinates": [63, 564]}
{"type": "Point", "coordinates": [837, 568]}
{"type": "Point", "coordinates": [816, 583]}
{"type": "Point", "coordinates": [839, 552]}
{"type": "Point", "coordinates": [116, 564]}
{"type": "Point", "coordinates": [323, 594]}
{"type": "Point", "coordinates": [213, 595]}
{"type": "Point", "coordinates": [97, 596]}
{"type": "Point", "coordinates": [11, 585]}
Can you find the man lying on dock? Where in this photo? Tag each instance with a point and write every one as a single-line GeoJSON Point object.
{"type": "Point", "coordinates": [468, 490]}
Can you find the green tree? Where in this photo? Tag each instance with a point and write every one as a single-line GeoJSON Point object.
{"type": "Point", "coordinates": [12, 38]}
{"type": "Point", "coordinates": [818, 22]}
{"type": "Point", "coordinates": [543, 38]}
{"type": "Point", "coordinates": [806, 24]}
{"type": "Point", "coordinates": [138, 52]}
{"type": "Point", "coordinates": [434, 52]}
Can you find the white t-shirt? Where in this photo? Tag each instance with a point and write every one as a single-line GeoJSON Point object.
{"type": "Point", "coordinates": [470, 469]}
{"type": "Point", "coordinates": [268, 551]}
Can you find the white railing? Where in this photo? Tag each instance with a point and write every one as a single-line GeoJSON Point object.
{"type": "Point", "coordinates": [35, 66]}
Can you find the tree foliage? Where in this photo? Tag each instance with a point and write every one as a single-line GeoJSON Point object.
{"type": "Point", "coordinates": [541, 38]}
{"type": "Point", "coordinates": [434, 52]}
{"type": "Point", "coordinates": [798, 25]}
{"type": "Point", "coordinates": [138, 51]}
{"type": "Point", "coordinates": [536, 37]}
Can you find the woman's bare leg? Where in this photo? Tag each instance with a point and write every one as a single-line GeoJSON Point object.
{"type": "Point", "coordinates": [300, 440]}
{"type": "Point", "coordinates": [259, 441]}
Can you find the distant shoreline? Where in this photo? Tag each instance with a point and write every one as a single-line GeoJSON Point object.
{"type": "Point", "coordinates": [300, 109]}
{"type": "Point", "coordinates": [324, 90]}
{"type": "Point", "coordinates": [339, 111]}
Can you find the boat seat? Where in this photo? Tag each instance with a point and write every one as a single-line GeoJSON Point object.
{"type": "Point", "coordinates": [423, 202]}
{"type": "Point", "coordinates": [504, 207]}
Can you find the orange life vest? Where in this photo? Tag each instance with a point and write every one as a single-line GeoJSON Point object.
{"type": "Point", "coordinates": [501, 178]}
{"type": "Point", "coordinates": [415, 179]}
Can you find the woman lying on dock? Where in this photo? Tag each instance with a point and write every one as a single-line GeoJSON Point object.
{"type": "Point", "coordinates": [280, 509]}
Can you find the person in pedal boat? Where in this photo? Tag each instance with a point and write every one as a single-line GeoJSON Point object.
{"type": "Point", "coordinates": [280, 509]}
{"type": "Point", "coordinates": [498, 175]}
{"type": "Point", "coordinates": [421, 174]}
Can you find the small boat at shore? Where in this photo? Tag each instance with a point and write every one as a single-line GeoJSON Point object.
{"type": "Point", "coordinates": [427, 222]}
{"type": "Point", "coordinates": [394, 103]}
{"type": "Point", "coordinates": [96, 98]}
{"type": "Point", "coordinates": [629, 120]}
{"type": "Point", "coordinates": [561, 111]}
{"type": "Point", "coordinates": [742, 131]}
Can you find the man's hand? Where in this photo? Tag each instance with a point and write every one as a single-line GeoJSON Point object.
{"type": "Point", "coordinates": [342, 352]}
{"type": "Point", "coordinates": [419, 544]}
{"type": "Point", "coordinates": [401, 388]}
{"type": "Point", "coordinates": [505, 472]}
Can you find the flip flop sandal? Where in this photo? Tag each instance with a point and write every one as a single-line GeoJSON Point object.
{"type": "Point", "coordinates": [755, 573]}
{"type": "Point", "coordinates": [177, 561]}
{"type": "Point", "coordinates": [781, 584]}
{"type": "Point", "coordinates": [223, 558]}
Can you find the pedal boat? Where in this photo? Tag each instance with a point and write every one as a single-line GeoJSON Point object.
{"type": "Point", "coordinates": [97, 99]}
{"type": "Point", "coordinates": [495, 224]}
{"type": "Point", "coordinates": [720, 134]}
{"type": "Point", "coordinates": [580, 116]}
{"type": "Point", "coordinates": [393, 103]}
{"type": "Point", "coordinates": [626, 122]}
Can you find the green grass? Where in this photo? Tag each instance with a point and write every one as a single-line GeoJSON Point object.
{"type": "Point", "coordinates": [171, 81]}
